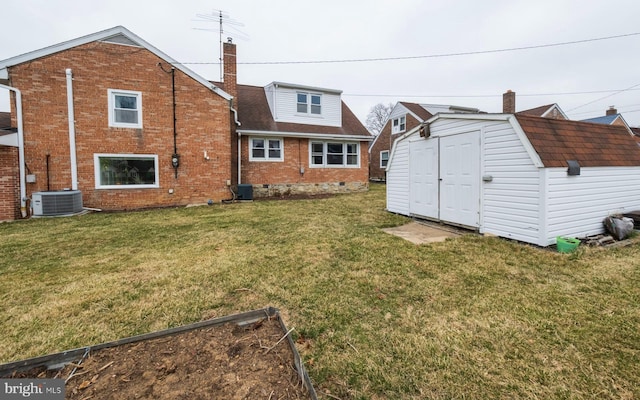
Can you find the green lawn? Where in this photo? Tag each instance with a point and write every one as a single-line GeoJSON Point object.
{"type": "Point", "coordinates": [381, 318]}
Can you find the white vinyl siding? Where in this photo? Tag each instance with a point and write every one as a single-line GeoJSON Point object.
{"type": "Point", "coordinates": [284, 104]}
{"type": "Point", "coordinates": [511, 206]}
{"type": "Point", "coordinates": [523, 200]}
{"type": "Point", "coordinates": [398, 177]}
{"type": "Point", "coordinates": [576, 205]}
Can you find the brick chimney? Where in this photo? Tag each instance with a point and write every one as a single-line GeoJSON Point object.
{"type": "Point", "coordinates": [229, 76]}
{"type": "Point", "coordinates": [509, 102]}
{"type": "Point", "coordinates": [612, 111]}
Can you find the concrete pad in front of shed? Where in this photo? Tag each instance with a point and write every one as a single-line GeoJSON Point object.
{"type": "Point", "coordinates": [418, 233]}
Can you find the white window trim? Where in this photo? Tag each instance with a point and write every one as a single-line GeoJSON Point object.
{"type": "Point", "coordinates": [266, 157]}
{"type": "Point", "coordinates": [96, 169]}
{"type": "Point", "coordinates": [395, 130]}
{"type": "Point", "coordinates": [324, 154]}
{"type": "Point", "coordinates": [112, 122]}
{"type": "Point", "coordinates": [384, 166]}
{"type": "Point", "coordinates": [309, 103]}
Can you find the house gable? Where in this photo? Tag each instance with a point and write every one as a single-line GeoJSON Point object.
{"type": "Point", "coordinates": [117, 35]}
{"type": "Point", "coordinates": [547, 111]}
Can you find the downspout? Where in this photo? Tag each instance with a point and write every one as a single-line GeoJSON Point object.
{"type": "Point", "coordinates": [21, 161]}
{"type": "Point", "coordinates": [239, 159]}
{"type": "Point", "coordinates": [72, 131]}
{"type": "Point", "coordinates": [235, 117]}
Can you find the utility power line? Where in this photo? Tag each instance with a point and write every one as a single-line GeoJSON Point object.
{"type": "Point", "coordinates": [468, 53]}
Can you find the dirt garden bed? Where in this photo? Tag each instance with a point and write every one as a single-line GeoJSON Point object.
{"type": "Point", "coordinates": [248, 356]}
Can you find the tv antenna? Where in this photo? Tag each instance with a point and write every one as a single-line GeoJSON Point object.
{"type": "Point", "coordinates": [224, 21]}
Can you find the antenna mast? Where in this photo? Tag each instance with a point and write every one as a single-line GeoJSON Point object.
{"type": "Point", "coordinates": [223, 19]}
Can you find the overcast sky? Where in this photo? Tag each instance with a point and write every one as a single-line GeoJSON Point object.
{"type": "Point", "coordinates": [288, 30]}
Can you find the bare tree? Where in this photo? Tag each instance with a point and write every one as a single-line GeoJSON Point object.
{"type": "Point", "coordinates": [377, 117]}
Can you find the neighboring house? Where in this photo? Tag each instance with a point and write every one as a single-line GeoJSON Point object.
{"type": "Point", "coordinates": [116, 124]}
{"type": "Point", "coordinates": [516, 176]}
{"type": "Point", "coordinates": [552, 111]}
{"type": "Point", "coordinates": [403, 117]}
{"type": "Point", "coordinates": [295, 139]}
{"type": "Point", "coordinates": [611, 117]}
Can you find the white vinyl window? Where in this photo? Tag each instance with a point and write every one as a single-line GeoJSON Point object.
{"type": "Point", "coordinates": [126, 171]}
{"type": "Point", "coordinates": [125, 108]}
{"type": "Point", "coordinates": [384, 158]}
{"type": "Point", "coordinates": [334, 154]}
{"type": "Point", "coordinates": [309, 103]}
{"type": "Point", "coordinates": [265, 149]}
{"type": "Point", "coordinates": [399, 124]}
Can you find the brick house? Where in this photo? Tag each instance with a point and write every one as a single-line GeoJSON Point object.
{"type": "Point", "coordinates": [9, 174]}
{"type": "Point", "coordinates": [295, 139]}
{"type": "Point", "coordinates": [106, 113]}
{"type": "Point", "coordinates": [125, 126]}
{"type": "Point", "coordinates": [403, 117]}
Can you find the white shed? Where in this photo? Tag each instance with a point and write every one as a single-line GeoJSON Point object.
{"type": "Point", "coordinates": [510, 175]}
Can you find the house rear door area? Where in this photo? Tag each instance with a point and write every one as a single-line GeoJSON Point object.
{"type": "Point", "coordinates": [445, 178]}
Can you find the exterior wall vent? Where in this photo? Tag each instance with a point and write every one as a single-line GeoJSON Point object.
{"type": "Point", "coordinates": [56, 203]}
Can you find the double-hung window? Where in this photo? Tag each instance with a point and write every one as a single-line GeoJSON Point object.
{"type": "Point", "coordinates": [309, 103]}
{"type": "Point", "coordinates": [125, 108]}
{"type": "Point", "coordinates": [126, 171]}
{"type": "Point", "coordinates": [384, 158]}
{"type": "Point", "coordinates": [265, 149]}
{"type": "Point", "coordinates": [334, 154]}
{"type": "Point", "coordinates": [399, 124]}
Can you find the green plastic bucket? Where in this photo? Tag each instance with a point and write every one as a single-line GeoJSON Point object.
{"type": "Point", "coordinates": [567, 245]}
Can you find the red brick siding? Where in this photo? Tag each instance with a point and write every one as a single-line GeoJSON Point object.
{"type": "Point", "coordinates": [296, 155]}
{"type": "Point", "coordinates": [9, 184]}
{"type": "Point", "coordinates": [385, 142]}
{"type": "Point", "coordinates": [203, 121]}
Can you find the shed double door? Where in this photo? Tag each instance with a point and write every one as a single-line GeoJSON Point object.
{"type": "Point", "coordinates": [445, 178]}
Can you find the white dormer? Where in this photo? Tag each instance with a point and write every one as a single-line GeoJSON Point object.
{"type": "Point", "coordinates": [304, 104]}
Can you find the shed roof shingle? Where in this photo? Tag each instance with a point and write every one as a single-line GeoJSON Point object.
{"type": "Point", "coordinates": [592, 145]}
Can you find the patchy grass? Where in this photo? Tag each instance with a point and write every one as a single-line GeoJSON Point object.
{"type": "Point", "coordinates": [376, 317]}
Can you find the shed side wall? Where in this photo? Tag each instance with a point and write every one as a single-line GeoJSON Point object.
{"type": "Point", "coordinates": [398, 177]}
{"type": "Point", "coordinates": [512, 199]}
{"type": "Point", "coordinates": [578, 204]}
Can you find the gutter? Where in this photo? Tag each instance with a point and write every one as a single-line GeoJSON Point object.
{"type": "Point", "coordinates": [21, 161]}
{"type": "Point", "coordinates": [325, 136]}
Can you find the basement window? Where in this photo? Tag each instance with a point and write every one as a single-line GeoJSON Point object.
{"type": "Point", "coordinates": [263, 149]}
{"type": "Point", "coordinates": [125, 108]}
{"type": "Point", "coordinates": [126, 171]}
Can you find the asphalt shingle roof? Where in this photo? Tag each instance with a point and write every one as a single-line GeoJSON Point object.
{"type": "Point", "coordinates": [592, 145]}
